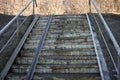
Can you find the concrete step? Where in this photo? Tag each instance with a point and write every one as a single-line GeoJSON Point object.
{"type": "Point", "coordinates": [47, 69]}
{"type": "Point", "coordinates": [55, 76]}
{"type": "Point", "coordinates": [61, 36]}
{"type": "Point", "coordinates": [42, 60]}
{"type": "Point", "coordinates": [67, 26]}
{"type": "Point", "coordinates": [82, 52]}
{"type": "Point", "coordinates": [58, 41]}
{"type": "Point", "coordinates": [58, 31]}
{"type": "Point", "coordinates": [60, 46]}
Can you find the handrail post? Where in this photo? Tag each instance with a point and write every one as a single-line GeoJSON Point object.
{"type": "Point", "coordinates": [89, 6]}
{"type": "Point", "coordinates": [33, 7]}
{"type": "Point", "coordinates": [17, 22]}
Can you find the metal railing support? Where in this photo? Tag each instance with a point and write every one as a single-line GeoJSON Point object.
{"type": "Point", "coordinates": [89, 6]}
{"type": "Point", "coordinates": [34, 3]}
{"type": "Point", "coordinates": [17, 21]}
{"type": "Point", "coordinates": [33, 7]}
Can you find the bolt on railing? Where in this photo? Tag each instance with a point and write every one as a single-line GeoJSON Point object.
{"type": "Point", "coordinates": [117, 47]}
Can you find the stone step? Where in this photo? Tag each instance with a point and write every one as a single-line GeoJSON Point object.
{"type": "Point", "coordinates": [60, 46]}
{"type": "Point", "coordinates": [65, 20]}
{"type": "Point", "coordinates": [58, 31]}
{"type": "Point", "coordinates": [65, 57]}
{"type": "Point", "coordinates": [63, 17]}
{"type": "Point", "coordinates": [58, 25]}
{"type": "Point", "coordinates": [84, 60]}
{"type": "Point", "coordinates": [55, 76]}
{"type": "Point", "coordinates": [75, 39]}
{"type": "Point", "coordinates": [48, 69]}
{"type": "Point", "coordinates": [64, 25]}
{"type": "Point", "coordinates": [61, 36]}
{"type": "Point", "coordinates": [83, 52]}
{"type": "Point", "coordinates": [59, 41]}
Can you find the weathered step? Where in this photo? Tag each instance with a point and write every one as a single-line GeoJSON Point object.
{"type": "Point", "coordinates": [56, 76]}
{"type": "Point", "coordinates": [36, 31]}
{"type": "Point", "coordinates": [82, 52]}
{"type": "Point", "coordinates": [60, 41]}
{"type": "Point", "coordinates": [59, 46]}
{"type": "Point", "coordinates": [47, 69]}
{"type": "Point", "coordinates": [66, 57]}
{"type": "Point", "coordinates": [68, 16]}
{"type": "Point", "coordinates": [61, 36]}
{"type": "Point", "coordinates": [63, 27]}
{"type": "Point", "coordinates": [83, 60]}
{"type": "Point", "coordinates": [68, 19]}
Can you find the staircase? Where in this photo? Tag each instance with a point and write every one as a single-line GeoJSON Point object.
{"type": "Point", "coordinates": [68, 52]}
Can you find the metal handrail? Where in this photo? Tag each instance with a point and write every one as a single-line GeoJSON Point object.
{"type": "Point", "coordinates": [8, 25]}
{"type": "Point", "coordinates": [101, 62]}
{"type": "Point", "coordinates": [117, 47]}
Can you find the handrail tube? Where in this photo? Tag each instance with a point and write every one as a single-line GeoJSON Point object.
{"type": "Point", "coordinates": [106, 44]}
{"type": "Point", "coordinates": [108, 30]}
{"type": "Point", "coordinates": [16, 51]}
{"type": "Point", "coordinates": [38, 51]}
{"type": "Point", "coordinates": [11, 38]}
{"type": "Point", "coordinates": [101, 63]}
{"type": "Point", "coordinates": [7, 26]}
{"type": "Point", "coordinates": [117, 47]}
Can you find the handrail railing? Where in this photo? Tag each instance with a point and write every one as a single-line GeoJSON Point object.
{"type": "Point", "coordinates": [8, 25]}
{"type": "Point", "coordinates": [117, 47]}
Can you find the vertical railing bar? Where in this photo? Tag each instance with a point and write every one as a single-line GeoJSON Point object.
{"type": "Point", "coordinates": [33, 7]}
{"type": "Point", "coordinates": [17, 20]}
{"type": "Point", "coordinates": [89, 6]}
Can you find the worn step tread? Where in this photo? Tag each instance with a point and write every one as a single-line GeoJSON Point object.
{"type": "Point", "coordinates": [56, 76]}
